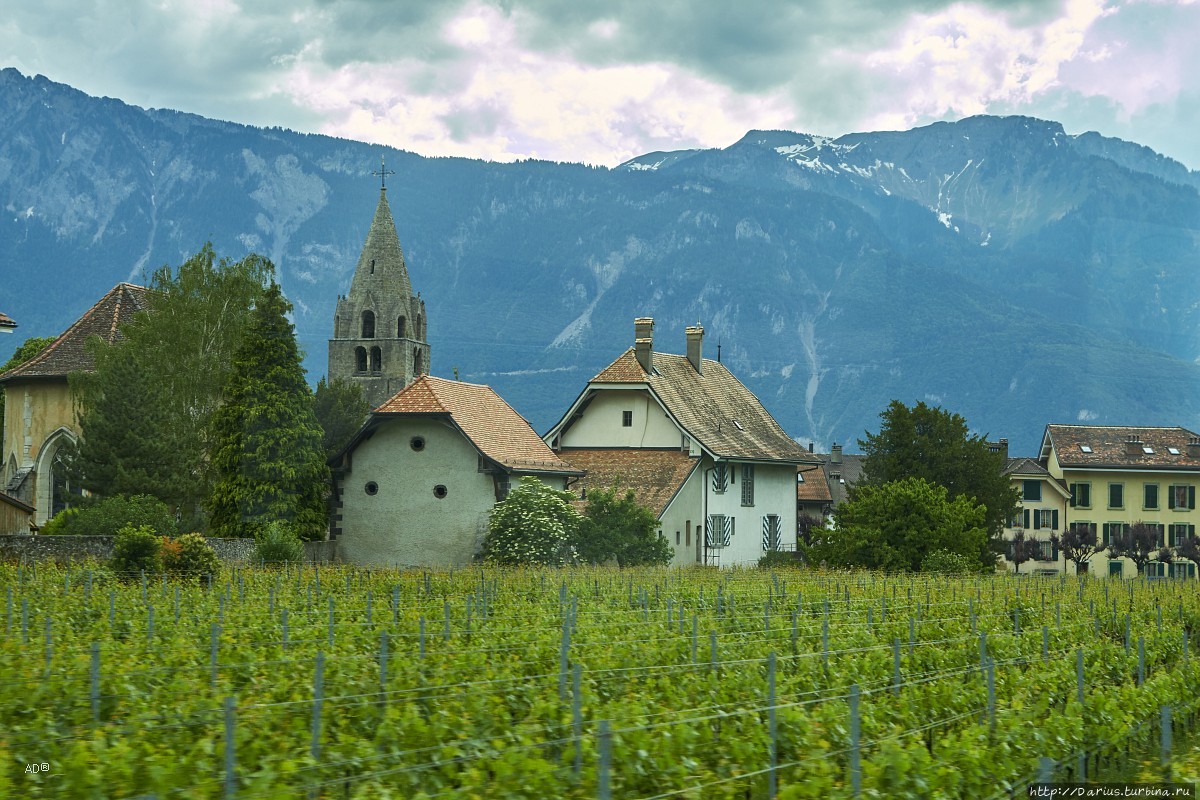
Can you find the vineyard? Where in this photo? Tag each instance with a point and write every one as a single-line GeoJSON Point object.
{"type": "Point", "coordinates": [336, 682]}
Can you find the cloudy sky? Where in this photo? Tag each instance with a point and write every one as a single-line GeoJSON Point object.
{"type": "Point", "coordinates": [600, 82]}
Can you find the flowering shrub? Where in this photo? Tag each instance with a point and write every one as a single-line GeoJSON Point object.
{"type": "Point", "coordinates": [190, 556]}
{"type": "Point", "coordinates": [534, 525]}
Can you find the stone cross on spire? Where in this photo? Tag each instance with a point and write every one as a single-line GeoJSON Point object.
{"type": "Point", "coordinates": [382, 174]}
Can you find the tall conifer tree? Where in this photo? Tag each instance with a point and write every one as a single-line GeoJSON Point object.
{"type": "Point", "coordinates": [268, 463]}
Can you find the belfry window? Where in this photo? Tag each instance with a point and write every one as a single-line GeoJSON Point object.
{"type": "Point", "coordinates": [368, 325]}
{"type": "Point", "coordinates": [360, 360]}
{"type": "Point", "coordinates": [401, 327]}
{"type": "Point", "coordinates": [376, 360]}
{"type": "Point", "coordinates": [417, 361]}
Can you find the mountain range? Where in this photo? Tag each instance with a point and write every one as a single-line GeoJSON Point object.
{"type": "Point", "coordinates": [995, 266]}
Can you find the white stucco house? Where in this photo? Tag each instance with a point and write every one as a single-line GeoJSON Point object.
{"type": "Point", "coordinates": [695, 446]}
{"type": "Point", "coordinates": [415, 485]}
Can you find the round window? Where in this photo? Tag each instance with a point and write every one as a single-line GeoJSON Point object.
{"type": "Point", "coordinates": [439, 491]}
{"type": "Point", "coordinates": [372, 487]}
{"type": "Point", "coordinates": [417, 443]}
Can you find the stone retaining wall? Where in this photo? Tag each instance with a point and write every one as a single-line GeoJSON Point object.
{"type": "Point", "coordinates": [78, 548]}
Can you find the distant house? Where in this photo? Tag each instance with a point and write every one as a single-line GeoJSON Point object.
{"type": "Point", "coordinates": [415, 485]}
{"type": "Point", "coordinates": [813, 497]}
{"type": "Point", "coordinates": [1117, 476]}
{"type": "Point", "coordinates": [694, 444]}
{"type": "Point", "coordinates": [40, 415]}
{"type": "Point", "coordinates": [1041, 514]}
{"type": "Point", "coordinates": [7, 324]}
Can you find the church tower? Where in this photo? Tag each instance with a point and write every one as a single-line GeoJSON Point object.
{"type": "Point", "coordinates": [379, 339]}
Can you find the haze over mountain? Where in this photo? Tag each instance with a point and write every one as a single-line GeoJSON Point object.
{"type": "Point", "coordinates": [996, 266]}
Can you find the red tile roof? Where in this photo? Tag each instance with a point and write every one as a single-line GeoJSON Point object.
{"type": "Point", "coordinates": [814, 488]}
{"type": "Point", "coordinates": [1111, 447]}
{"type": "Point", "coordinates": [711, 405]}
{"type": "Point", "coordinates": [655, 476]}
{"type": "Point", "coordinates": [68, 353]}
{"type": "Point", "coordinates": [496, 430]}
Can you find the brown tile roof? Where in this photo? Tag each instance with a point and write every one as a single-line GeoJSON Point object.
{"type": "Point", "coordinates": [6, 321]}
{"type": "Point", "coordinates": [655, 476]}
{"type": "Point", "coordinates": [1111, 447]}
{"type": "Point", "coordinates": [496, 430]}
{"type": "Point", "coordinates": [15, 503]}
{"type": "Point", "coordinates": [1025, 466]}
{"type": "Point", "coordinates": [712, 405]}
{"type": "Point", "coordinates": [814, 488]}
{"type": "Point", "coordinates": [68, 353]}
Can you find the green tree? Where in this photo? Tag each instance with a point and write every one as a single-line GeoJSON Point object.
{"type": "Point", "coordinates": [341, 410]}
{"type": "Point", "coordinates": [183, 346]}
{"type": "Point", "coordinates": [533, 525]}
{"type": "Point", "coordinates": [127, 443]}
{"type": "Point", "coordinates": [615, 526]}
{"type": "Point", "coordinates": [1078, 544]}
{"type": "Point", "coordinates": [267, 461]}
{"type": "Point", "coordinates": [932, 443]}
{"type": "Point", "coordinates": [28, 349]}
{"type": "Point", "coordinates": [896, 525]}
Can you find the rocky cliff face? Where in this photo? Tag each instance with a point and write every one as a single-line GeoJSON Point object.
{"type": "Point", "coordinates": [998, 266]}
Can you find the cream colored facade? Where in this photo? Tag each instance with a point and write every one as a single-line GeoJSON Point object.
{"type": "Point", "coordinates": [621, 417]}
{"type": "Point", "coordinates": [39, 418]}
{"type": "Point", "coordinates": [415, 495]}
{"type": "Point", "coordinates": [1041, 513]}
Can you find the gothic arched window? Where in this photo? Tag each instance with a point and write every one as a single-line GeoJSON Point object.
{"type": "Point", "coordinates": [368, 325]}
{"type": "Point", "coordinates": [401, 328]}
{"type": "Point", "coordinates": [419, 328]}
{"type": "Point", "coordinates": [360, 360]}
{"type": "Point", "coordinates": [376, 360]}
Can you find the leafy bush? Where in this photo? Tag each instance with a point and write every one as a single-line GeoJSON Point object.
{"type": "Point", "coordinates": [136, 549]}
{"type": "Point", "coordinates": [775, 559]}
{"type": "Point", "coordinates": [190, 556]}
{"type": "Point", "coordinates": [534, 525]}
{"type": "Point", "coordinates": [617, 527]}
{"type": "Point", "coordinates": [108, 516]}
{"type": "Point", "coordinates": [277, 543]}
{"type": "Point", "coordinates": [945, 562]}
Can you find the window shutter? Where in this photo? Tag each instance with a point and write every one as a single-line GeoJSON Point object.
{"type": "Point", "coordinates": [1073, 495]}
{"type": "Point", "coordinates": [1037, 521]}
{"type": "Point", "coordinates": [1191, 497]}
{"type": "Point", "coordinates": [1054, 520]}
{"type": "Point", "coordinates": [1053, 548]}
{"type": "Point", "coordinates": [1026, 516]}
{"type": "Point", "coordinates": [1191, 531]}
{"type": "Point", "coordinates": [1191, 570]}
{"type": "Point", "coordinates": [1170, 497]}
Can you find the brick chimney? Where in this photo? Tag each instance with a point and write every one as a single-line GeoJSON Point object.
{"type": "Point", "coordinates": [643, 342]}
{"type": "Point", "coordinates": [695, 342]}
{"type": "Point", "coordinates": [835, 454]}
{"type": "Point", "coordinates": [1133, 445]}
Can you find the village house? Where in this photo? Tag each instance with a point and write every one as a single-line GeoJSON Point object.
{"type": "Point", "coordinates": [416, 484]}
{"type": "Point", "coordinates": [1117, 476]}
{"type": "Point", "coordinates": [1041, 514]}
{"type": "Point", "coordinates": [40, 415]}
{"type": "Point", "coordinates": [694, 445]}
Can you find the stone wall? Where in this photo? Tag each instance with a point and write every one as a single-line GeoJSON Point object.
{"type": "Point", "coordinates": [78, 548]}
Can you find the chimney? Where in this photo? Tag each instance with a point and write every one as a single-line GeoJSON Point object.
{"type": "Point", "coordinates": [643, 342]}
{"type": "Point", "coordinates": [695, 341]}
{"type": "Point", "coordinates": [835, 454]}
{"type": "Point", "coordinates": [1193, 447]}
{"type": "Point", "coordinates": [1133, 446]}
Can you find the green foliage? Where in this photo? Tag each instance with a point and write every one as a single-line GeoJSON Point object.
{"type": "Point", "coordinates": [534, 525]}
{"type": "Point", "coordinates": [108, 516]}
{"type": "Point", "coordinates": [777, 559]}
{"type": "Point", "coordinates": [934, 444]}
{"type": "Point", "coordinates": [136, 549]}
{"type": "Point", "coordinates": [894, 526]}
{"type": "Point", "coordinates": [28, 349]}
{"type": "Point", "coordinates": [268, 463]}
{"type": "Point", "coordinates": [944, 562]}
{"type": "Point", "coordinates": [190, 556]}
{"type": "Point", "coordinates": [277, 543]}
{"type": "Point", "coordinates": [617, 527]}
{"type": "Point", "coordinates": [164, 379]}
{"type": "Point", "coordinates": [341, 410]}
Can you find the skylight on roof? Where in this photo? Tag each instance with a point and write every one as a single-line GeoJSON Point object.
{"type": "Point", "coordinates": [799, 477]}
{"type": "Point", "coordinates": [1148, 450]}
{"type": "Point", "coordinates": [1173, 451]}
{"type": "Point", "coordinates": [739, 425]}
{"type": "Point", "coordinates": [1085, 448]}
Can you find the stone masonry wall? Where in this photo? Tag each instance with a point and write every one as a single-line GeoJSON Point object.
{"type": "Point", "coordinates": [78, 548]}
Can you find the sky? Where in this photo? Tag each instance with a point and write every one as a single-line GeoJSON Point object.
{"type": "Point", "coordinates": [602, 82]}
